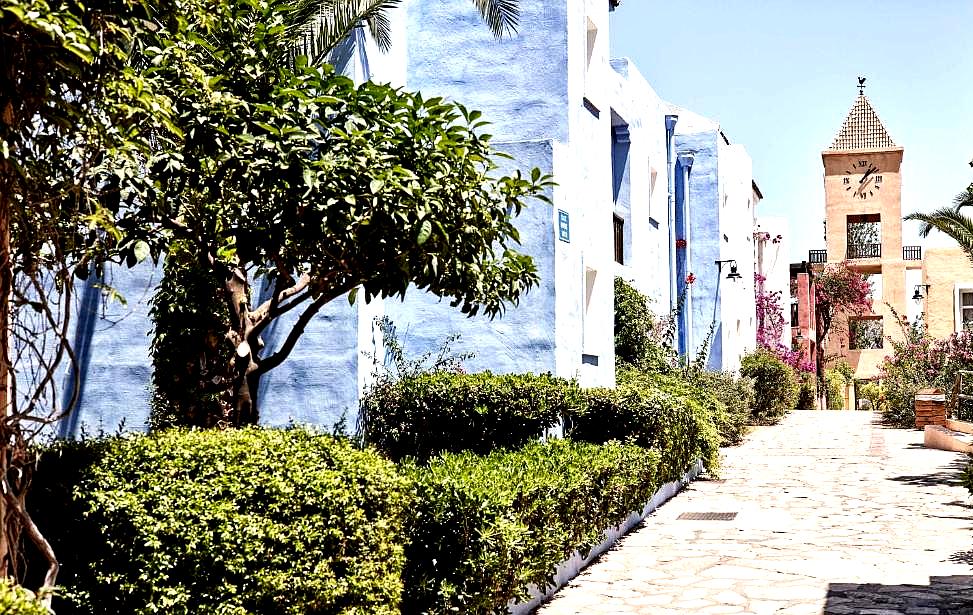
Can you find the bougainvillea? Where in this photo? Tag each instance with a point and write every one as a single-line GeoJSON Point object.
{"type": "Point", "coordinates": [770, 326]}
{"type": "Point", "coordinates": [920, 361]}
{"type": "Point", "coordinates": [838, 289]}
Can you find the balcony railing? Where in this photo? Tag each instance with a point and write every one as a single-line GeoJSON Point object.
{"type": "Point", "coordinates": [912, 253]}
{"type": "Point", "coordinates": [864, 250]}
{"type": "Point", "coordinates": [817, 256]}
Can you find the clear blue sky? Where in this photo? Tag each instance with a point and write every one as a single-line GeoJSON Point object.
{"type": "Point", "coordinates": [780, 76]}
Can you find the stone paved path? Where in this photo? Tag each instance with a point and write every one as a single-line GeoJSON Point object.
{"type": "Point", "coordinates": [836, 515]}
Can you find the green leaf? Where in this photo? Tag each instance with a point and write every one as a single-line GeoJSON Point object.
{"type": "Point", "coordinates": [424, 232]}
{"type": "Point", "coordinates": [352, 295]}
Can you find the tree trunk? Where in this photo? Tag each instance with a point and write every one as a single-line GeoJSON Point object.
{"type": "Point", "coordinates": [8, 547]}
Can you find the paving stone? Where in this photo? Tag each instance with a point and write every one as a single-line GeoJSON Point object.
{"type": "Point", "coordinates": [823, 527]}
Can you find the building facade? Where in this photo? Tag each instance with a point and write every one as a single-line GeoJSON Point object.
{"type": "Point", "coordinates": [863, 204]}
{"type": "Point", "coordinates": [644, 190]}
{"type": "Point", "coordinates": [714, 223]}
{"type": "Point", "coordinates": [945, 294]}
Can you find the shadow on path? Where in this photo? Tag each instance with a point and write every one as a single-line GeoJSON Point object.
{"type": "Point", "coordinates": [948, 474]}
{"type": "Point", "coordinates": [943, 596]}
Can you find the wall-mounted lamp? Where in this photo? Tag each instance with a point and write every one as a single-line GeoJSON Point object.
{"type": "Point", "coordinates": [918, 296]}
{"type": "Point", "coordinates": [734, 274]}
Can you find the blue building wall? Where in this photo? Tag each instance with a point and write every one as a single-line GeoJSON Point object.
{"type": "Point", "coordinates": [523, 339]}
{"type": "Point", "coordinates": [318, 383]}
{"type": "Point", "coordinates": [704, 232]}
{"type": "Point", "coordinates": [111, 341]}
{"type": "Point", "coordinates": [520, 83]}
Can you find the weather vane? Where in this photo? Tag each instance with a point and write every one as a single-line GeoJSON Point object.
{"type": "Point", "coordinates": [861, 85]}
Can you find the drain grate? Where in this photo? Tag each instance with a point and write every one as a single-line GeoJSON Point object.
{"type": "Point", "coordinates": [707, 516]}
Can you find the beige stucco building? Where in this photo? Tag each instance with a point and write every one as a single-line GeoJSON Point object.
{"type": "Point", "coordinates": [863, 204]}
{"type": "Point", "coordinates": [948, 300]}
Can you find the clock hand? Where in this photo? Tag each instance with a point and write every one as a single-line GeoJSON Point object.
{"type": "Point", "coordinates": [867, 173]}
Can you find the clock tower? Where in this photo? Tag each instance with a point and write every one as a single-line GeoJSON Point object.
{"type": "Point", "coordinates": [863, 228]}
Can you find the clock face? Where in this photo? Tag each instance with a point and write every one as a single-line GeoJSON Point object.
{"type": "Point", "coordinates": [862, 179]}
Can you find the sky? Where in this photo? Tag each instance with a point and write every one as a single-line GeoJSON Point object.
{"type": "Point", "coordinates": [781, 75]}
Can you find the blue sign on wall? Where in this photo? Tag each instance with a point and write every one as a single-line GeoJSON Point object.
{"type": "Point", "coordinates": [563, 226]}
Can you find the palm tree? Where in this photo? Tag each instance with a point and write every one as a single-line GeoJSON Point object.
{"type": "Point", "coordinates": [951, 221]}
{"type": "Point", "coordinates": [319, 25]}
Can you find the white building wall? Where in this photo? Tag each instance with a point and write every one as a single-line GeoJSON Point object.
{"type": "Point", "coordinates": [771, 261]}
{"type": "Point", "coordinates": [736, 213]}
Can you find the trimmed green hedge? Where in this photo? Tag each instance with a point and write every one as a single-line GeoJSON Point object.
{"type": "Point", "coordinates": [243, 521]}
{"type": "Point", "coordinates": [775, 383]}
{"type": "Point", "coordinates": [484, 528]}
{"type": "Point", "coordinates": [736, 395]}
{"type": "Point", "coordinates": [423, 416]}
{"type": "Point", "coordinates": [654, 411]}
{"type": "Point", "coordinates": [15, 600]}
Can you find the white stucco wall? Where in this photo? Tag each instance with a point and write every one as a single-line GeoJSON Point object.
{"type": "Point", "coordinates": [771, 261]}
{"type": "Point", "coordinates": [737, 307]}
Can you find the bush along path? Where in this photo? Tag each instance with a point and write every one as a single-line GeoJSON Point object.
{"type": "Point", "coordinates": [828, 512]}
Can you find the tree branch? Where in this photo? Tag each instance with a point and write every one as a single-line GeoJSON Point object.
{"type": "Point", "coordinates": [269, 363]}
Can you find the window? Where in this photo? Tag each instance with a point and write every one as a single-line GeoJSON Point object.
{"type": "Point", "coordinates": [864, 236]}
{"type": "Point", "coordinates": [619, 240]}
{"type": "Point", "coordinates": [966, 309]}
{"type": "Point", "coordinates": [865, 333]}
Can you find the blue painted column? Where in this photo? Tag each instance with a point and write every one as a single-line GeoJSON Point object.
{"type": "Point", "coordinates": [684, 165]}
{"type": "Point", "coordinates": [670, 177]}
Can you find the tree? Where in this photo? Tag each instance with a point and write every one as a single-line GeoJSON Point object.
{"type": "Point", "coordinates": [290, 174]}
{"type": "Point", "coordinates": [72, 110]}
{"type": "Point", "coordinates": [838, 290]}
{"type": "Point", "coordinates": [322, 24]}
{"type": "Point", "coordinates": [951, 221]}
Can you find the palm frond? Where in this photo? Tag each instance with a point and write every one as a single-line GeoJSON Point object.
{"type": "Point", "coordinates": [950, 222]}
{"type": "Point", "coordinates": [964, 199]}
{"type": "Point", "coordinates": [318, 26]}
{"type": "Point", "coordinates": [501, 16]}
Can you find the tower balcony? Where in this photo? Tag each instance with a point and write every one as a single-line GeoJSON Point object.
{"type": "Point", "coordinates": [912, 253]}
{"type": "Point", "coordinates": [864, 250]}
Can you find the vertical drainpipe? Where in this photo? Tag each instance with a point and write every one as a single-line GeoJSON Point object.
{"type": "Point", "coordinates": [686, 315]}
{"type": "Point", "coordinates": [670, 176]}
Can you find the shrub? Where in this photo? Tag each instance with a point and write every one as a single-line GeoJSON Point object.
{"type": "Point", "coordinates": [775, 384]}
{"type": "Point", "coordinates": [654, 411]}
{"type": "Point", "coordinates": [428, 414]}
{"type": "Point", "coordinates": [642, 339]}
{"type": "Point", "coordinates": [919, 361]}
{"type": "Point", "coordinates": [15, 600]}
{"type": "Point", "coordinates": [834, 386]}
{"type": "Point", "coordinates": [737, 397]}
{"type": "Point", "coordinates": [484, 528]}
{"type": "Point", "coordinates": [873, 392]}
{"type": "Point", "coordinates": [230, 522]}
{"type": "Point", "coordinates": [807, 394]}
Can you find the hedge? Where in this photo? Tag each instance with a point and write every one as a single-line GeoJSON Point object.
{"type": "Point", "coordinates": [484, 528]}
{"type": "Point", "coordinates": [15, 600]}
{"type": "Point", "coordinates": [736, 395]}
{"type": "Point", "coordinates": [775, 383]}
{"type": "Point", "coordinates": [229, 522]}
{"type": "Point", "coordinates": [438, 412]}
{"type": "Point", "coordinates": [654, 411]}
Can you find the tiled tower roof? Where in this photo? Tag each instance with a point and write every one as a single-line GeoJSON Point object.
{"type": "Point", "coordinates": [862, 129]}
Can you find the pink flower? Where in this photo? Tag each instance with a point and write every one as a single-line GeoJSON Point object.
{"type": "Point", "coordinates": [690, 278]}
